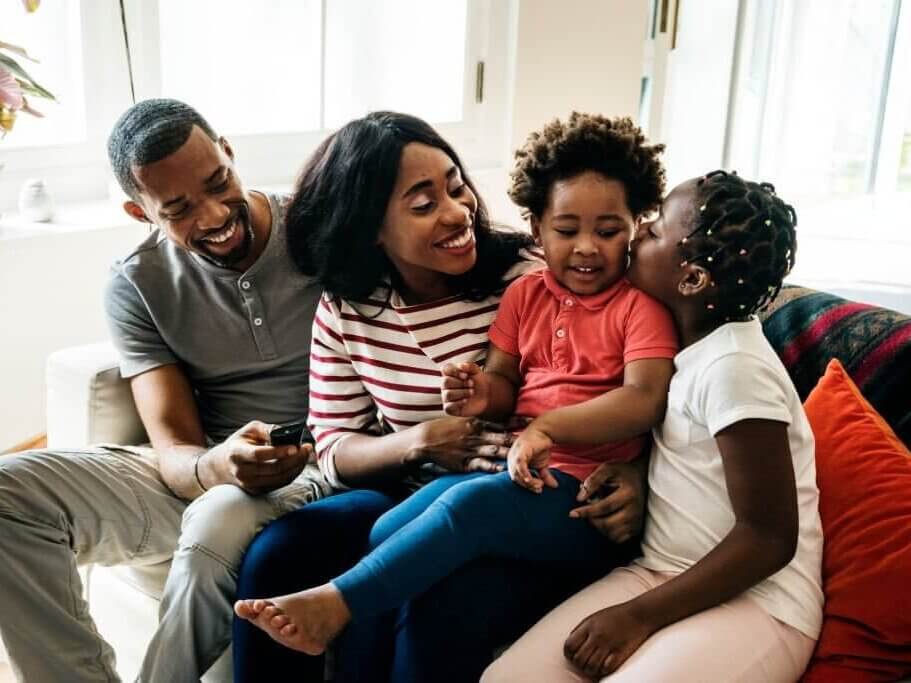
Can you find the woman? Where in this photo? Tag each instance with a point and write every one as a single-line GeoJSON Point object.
{"type": "Point", "coordinates": [387, 222]}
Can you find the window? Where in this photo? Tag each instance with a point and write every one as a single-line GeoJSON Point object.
{"type": "Point", "coordinates": [821, 105]}
{"type": "Point", "coordinates": [274, 77]}
{"type": "Point", "coordinates": [815, 84]}
{"type": "Point", "coordinates": [815, 97]}
{"type": "Point", "coordinates": [53, 37]}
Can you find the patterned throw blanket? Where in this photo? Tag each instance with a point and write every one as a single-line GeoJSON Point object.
{"type": "Point", "coordinates": [808, 328]}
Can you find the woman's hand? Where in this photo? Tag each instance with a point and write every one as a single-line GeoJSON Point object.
{"type": "Point", "coordinates": [461, 444]}
{"type": "Point", "coordinates": [531, 450]}
{"type": "Point", "coordinates": [600, 644]}
{"type": "Point", "coordinates": [466, 389]}
{"type": "Point", "coordinates": [620, 513]}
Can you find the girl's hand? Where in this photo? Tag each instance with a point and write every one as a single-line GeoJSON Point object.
{"type": "Point", "coordinates": [466, 389]}
{"type": "Point", "coordinates": [531, 450]}
{"type": "Point", "coordinates": [600, 644]}
{"type": "Point", "coordinates": [461, 444]}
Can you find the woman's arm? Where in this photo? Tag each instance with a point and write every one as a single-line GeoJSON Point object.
{"type": "Point", "coordinates": [759, 474]}
{"type": "Point", "coordinates": [457, 444]}
{"type": "Point", "coordinates": [619, 414]}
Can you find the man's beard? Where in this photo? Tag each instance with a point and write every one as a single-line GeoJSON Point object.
{"type": "Point", "coordinates": [241, 219]}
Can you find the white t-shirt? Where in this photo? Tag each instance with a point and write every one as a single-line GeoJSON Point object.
{"type": "Point", "coordinates": [730, 375]}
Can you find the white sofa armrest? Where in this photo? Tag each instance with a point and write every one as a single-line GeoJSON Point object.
{"type": "Point", "coordinates": [88, 402]}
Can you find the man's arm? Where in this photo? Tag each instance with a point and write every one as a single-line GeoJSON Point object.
{"type": "Point", "coordinates": [168, 411]}
{"type": "Point", "coordinates": [164, 399]}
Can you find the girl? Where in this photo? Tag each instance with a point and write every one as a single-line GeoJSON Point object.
{"type": "Point", "coordinates": [386, 220]}
{"type": "Point", "coordinates": [591, 341]}
{"type": "Point", "coordinates": [728, 587]}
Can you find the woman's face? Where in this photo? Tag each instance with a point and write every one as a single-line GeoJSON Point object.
{"type": "Point", "coordinates": [428, 230]}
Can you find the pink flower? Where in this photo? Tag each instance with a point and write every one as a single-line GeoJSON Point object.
{"type": "Point", "coordinates": [10, 90]}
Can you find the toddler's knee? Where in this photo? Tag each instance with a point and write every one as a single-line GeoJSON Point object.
{"type": "Point", "coordinates": [476, 496]}
{"type": "Point", "coordinates": [222, 523]}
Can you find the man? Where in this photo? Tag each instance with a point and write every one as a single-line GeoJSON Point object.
{"type": "Point", "coordinates": [212, 321]}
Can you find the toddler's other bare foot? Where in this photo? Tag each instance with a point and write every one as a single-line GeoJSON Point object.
{"type": "Point", "coordinates": [306, 621]}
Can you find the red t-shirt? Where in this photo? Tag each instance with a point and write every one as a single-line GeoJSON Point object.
{"type": "Point", "coordinates": [572, 348]}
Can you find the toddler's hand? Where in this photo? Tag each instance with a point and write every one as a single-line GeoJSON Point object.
{"type": "Point", "coordinates": [466, 390]}
{"type": "Point", "coordinates": [531, 450]}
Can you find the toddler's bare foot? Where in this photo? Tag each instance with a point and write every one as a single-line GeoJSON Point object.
{"type": "Point", "coordinates": [307, 621]}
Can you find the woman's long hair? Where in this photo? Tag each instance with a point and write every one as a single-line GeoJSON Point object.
{"type": "Point", "coordinates": [340, 203]}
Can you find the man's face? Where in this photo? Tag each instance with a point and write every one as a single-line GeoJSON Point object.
{"type": "Point", "coordinates": [195, 197]}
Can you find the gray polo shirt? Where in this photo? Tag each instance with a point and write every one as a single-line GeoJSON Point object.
{"type": "Point", "coordinates": [243, 339]}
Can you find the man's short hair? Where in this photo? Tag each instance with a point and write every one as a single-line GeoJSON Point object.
{"type": "Point", "coordinates": [148, 132]}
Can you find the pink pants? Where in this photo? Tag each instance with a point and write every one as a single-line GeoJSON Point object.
{"type": "Point", "coordinates": [736, 641]}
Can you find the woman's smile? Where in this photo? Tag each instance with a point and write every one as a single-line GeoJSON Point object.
{"type": "Point", "coordinates": [461, 242]}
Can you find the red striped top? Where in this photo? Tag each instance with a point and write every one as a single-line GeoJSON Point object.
{"type": "Point", "coordinates": [376, 369]}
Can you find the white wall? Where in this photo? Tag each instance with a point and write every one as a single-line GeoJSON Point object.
{"type": "Point", "coordinates": [51, 289]}
{"type": "Point", "coordinates": [583, 55]}
{"type": "Point", "coordinates": [576, 54]}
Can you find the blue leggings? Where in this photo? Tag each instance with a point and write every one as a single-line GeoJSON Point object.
{"type": "Point", "coordinates": [460, 518]}
{"type": "Point", "coordinates": [476, 610]}
{"type": "Point", "coordinates": [300, 550]}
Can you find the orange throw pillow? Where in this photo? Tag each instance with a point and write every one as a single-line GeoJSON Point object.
{"type": "Point", "coordinates": [864, 475]}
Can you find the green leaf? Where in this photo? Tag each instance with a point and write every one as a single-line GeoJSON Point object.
{"type": "Point", "coordinates": [29, 87]}
{"type": "Point", "coordinates": [15, 49]}
{"type": "Point", "coordinates": [21, 73]}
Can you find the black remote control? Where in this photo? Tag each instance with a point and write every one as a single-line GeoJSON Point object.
{"type": "Point", "coordinates": [291, 434]}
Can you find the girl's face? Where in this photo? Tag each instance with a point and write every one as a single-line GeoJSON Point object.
{"type": "Point", "coordinates": [585, 232]}
{"type": "Point", "coordinates": [428, 230]}
{"type": "Point", "coordinates": [655, 253]}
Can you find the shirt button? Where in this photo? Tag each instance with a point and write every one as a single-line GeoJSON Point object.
{"type": "Point", "coordinates": [568, 301]}
{"type": "Point", "coordinates": [561, 333]}
{"type": "Point", "coordinates": [257, 321]}
{"type": "Point", "coordinates": [245, 285]}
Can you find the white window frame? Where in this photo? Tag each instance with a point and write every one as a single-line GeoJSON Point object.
{"type": "Point", "coordinates": [80, 172]}
{"type": "Point", "coordinates": [275, 158]}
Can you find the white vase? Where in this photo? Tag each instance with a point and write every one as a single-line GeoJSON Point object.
{"type": "Point", "coordinates": [35, 202]}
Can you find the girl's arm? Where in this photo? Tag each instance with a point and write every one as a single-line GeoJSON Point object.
{"type": "Point", "coordinates": [759, 474]}
{"type": "Point", "coordinates": [619, 414]}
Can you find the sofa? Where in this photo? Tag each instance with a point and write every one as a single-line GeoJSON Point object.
{"type": "Point", "coordinates": [88, 403]}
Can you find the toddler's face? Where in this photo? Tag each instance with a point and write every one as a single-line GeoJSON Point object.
{"type": "Point", "coordinates": [585, 232]}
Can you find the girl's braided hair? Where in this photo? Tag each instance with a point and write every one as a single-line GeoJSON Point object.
{"type": "Point", "coordinates": [744, 235]}
{"type": "Point", "coordinates": [614, 147]}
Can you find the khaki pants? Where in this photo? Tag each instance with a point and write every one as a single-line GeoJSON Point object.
{"type": "Point", "coordinates": [60, 509]}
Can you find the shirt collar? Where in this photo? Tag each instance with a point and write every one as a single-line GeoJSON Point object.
{"type": "Point", "coordinates": [592, 302]}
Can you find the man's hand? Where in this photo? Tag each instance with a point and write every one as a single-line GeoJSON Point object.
{"type": "Point", "coordinates": [600, 644]}
{"type": "Point", "coordinates": [621, 513]}
{"type": "Point", "coordinates": [531, 450]}
{"type": "Point", "coordinates": [466, 389]}
{"type": "Point", "coordinates": [461, 444]}
{"type": "Point", "coordinates": [247, 460]}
